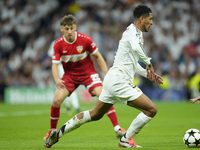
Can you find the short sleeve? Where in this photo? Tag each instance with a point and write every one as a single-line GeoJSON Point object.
{"type": "Point", "coordinates": [92, 48]}
{"type": "Point", "coordinates": [56, 56]}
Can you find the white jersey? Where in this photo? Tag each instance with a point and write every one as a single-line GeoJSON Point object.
{"type": "Point", "coordinates": [130, 51]}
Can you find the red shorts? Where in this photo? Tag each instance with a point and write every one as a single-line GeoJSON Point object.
{"type": "Point", "coordinates": [90, 81]}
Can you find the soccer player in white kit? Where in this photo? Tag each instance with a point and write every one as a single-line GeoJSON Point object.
{"type": "Point", "coordinates": [117, 85]}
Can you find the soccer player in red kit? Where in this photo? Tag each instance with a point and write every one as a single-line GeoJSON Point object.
{"type": "Point", "coordinates": [73, 49]}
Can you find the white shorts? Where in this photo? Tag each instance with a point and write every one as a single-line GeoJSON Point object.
{"type": "Point", "coordinates": [117, 88]}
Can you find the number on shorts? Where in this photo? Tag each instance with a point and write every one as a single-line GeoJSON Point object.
{"type": "Point", "coordinates": [95, 77]}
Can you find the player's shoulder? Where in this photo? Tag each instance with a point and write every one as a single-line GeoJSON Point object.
{"type": "Point", "coordinates": [131, 29]}
{"type": "Point", "coordinates": [83, 36]}
{"type": "Point", "coordinates": [131, 32]}
{"type": "Point", "coordinates": [59, 40]}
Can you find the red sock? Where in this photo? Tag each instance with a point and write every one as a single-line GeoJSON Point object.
{"type": "Point", "coordinates": [112, 115]}
{"type": "Point", "coordinates": [55, 114]}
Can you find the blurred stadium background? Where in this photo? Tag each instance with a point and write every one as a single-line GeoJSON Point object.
{"type": "Point", "coordinates": [27, 28]}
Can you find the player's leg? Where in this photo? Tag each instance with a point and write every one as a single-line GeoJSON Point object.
{"type": "Point", "coordinates": [72, 100]}
{"type": "Point", "coordinates": [111, 114]}
{"type": "Point", "coordinates": [96, 113]}
{"type": "Point", "coordinates": [68, 105]}
{"type": "Point", "coordinates": [123, 91]}
{"type": "Point", "coordinates": [59, 97]}
{"type": "Point", "coordinates": [148, 109]}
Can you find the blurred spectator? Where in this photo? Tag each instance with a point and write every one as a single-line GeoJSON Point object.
{"type": "Point", "coordinates": [6, 44]}
{"type": "Point", "coordinates": [187, 64]}
{"type": "Point", "coordinates": [15, 59]}
{"type": "Point", "coordinates": [194, 84]}
{"type": "Point", "coordinates": [2, 88]}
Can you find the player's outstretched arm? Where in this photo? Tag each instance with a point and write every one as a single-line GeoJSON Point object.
{"type": "Point", "coordinates": [195, 99]}
{"type": "Point", "coordinates": [101, 62]}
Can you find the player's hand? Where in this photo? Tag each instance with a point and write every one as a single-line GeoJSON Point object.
{"type": "Point", "coordinates": [149, 76]}
{"type": "Point", "coordinates": [195, 99]}
{"type": "Point", "coordinates": [158, 79]}
{"type": "Point", "coordinates": [150, 73]}
{"type": "Point", "coordinates": [59, 84]}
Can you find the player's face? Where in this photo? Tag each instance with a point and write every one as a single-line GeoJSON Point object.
{"type": "Point", "coordinates": [148, 22]}
{"type": "Point", "coordinates": [69, 32]}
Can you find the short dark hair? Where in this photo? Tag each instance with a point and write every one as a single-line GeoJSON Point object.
{"type": "Point", "coordinates": [141, 10]}
{"type": "Point", "coordinates": [68, 20]}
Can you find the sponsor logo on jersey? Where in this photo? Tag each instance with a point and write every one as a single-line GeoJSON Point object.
{"type": "Point", "coordinates": [79, 48]}
{"type": "Point", "coordinates": [64, 51]}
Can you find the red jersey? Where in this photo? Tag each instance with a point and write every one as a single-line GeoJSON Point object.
{"type": "Point", "coordinates": [75, 56]}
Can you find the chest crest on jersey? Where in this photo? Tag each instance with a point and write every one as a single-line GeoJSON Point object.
{"type": "Point", "coordinates": [79, 48]}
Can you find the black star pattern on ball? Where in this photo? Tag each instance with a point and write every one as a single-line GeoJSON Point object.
{"type": "Point", "coordinates": [191, 133]}
{"type": "Point", "coordinates": [186, 142]}
{"type": "Point", "coordinates": [197, 142]}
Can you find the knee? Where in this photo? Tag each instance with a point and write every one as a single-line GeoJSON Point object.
{"type": "Point", "coordinates": [57, 102]}
{"type": "Point", "coordinates": [153, 111]}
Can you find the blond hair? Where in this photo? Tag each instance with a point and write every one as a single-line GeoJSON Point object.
{"type": "Point", "coordinates": [68, 20]}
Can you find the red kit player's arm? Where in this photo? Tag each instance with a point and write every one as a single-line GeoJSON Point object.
{"type": "Point", "coordinates": [101, 62]}
{"type": "Point", "coordinates": [56, 60]}
{"type": "Point", "coordinates": [55, 71]}
{"type": "Point", "coordinates": [58, 81]}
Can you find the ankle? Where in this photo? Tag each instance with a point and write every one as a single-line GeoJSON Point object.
{"type": "Point", "coordinates": [123, 138]}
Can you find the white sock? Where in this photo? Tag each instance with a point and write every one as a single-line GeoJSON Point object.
{"type": "Point", "coordinates": [138, 123]}
{"type": "Point", "coordinates": [74, 100]}
{"type": "Point", "coordinates": [116, 128]}
{"type": "Point", "coordinates": [67, 102]}
{"type": "Point", "coordinates": [74, 123]}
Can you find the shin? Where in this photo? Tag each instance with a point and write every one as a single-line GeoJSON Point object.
{"type": "Point", "coordinates": [136, 126]}
{"type": "Point", "coordinates": [74, 123]}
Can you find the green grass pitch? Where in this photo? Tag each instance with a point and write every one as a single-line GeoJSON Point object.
{"type": "Point", "coordinates": [22, 127]}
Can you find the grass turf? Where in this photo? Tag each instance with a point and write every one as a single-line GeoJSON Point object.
{"type": "Point", "coordinates": [23, 127]}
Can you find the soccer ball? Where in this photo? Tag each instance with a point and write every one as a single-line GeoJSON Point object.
{"type": "Point", "coordinates": [191, 138]}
